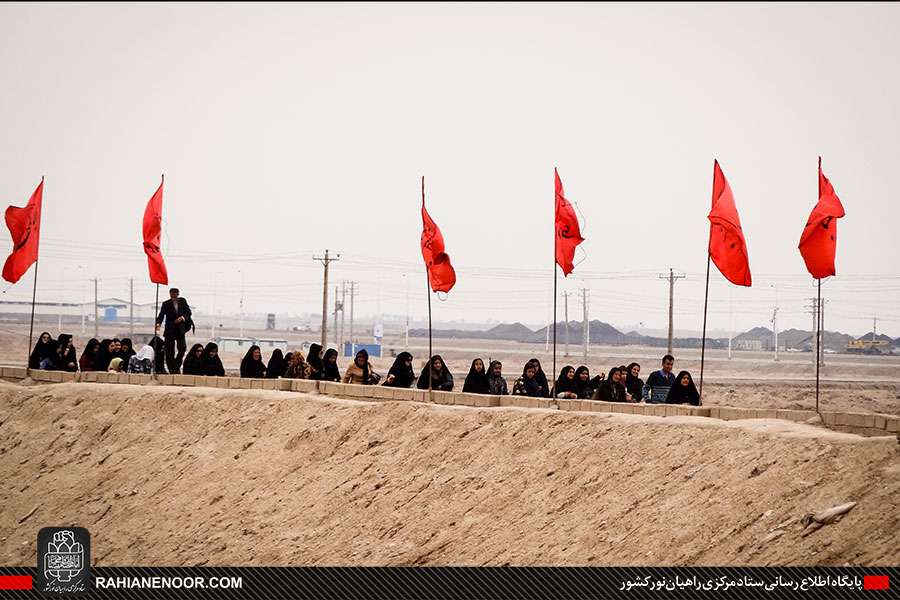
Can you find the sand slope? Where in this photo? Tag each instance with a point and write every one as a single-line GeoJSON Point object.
{"type": "Point", "coordinates": [173, 476]}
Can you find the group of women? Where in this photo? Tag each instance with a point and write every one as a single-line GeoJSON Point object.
{"type": "Point", "coordinates": [621, 384]}
{"type": "Point", "coordinates": [317, 365]}
{"type": "Point", "coordinates": [60, 354]}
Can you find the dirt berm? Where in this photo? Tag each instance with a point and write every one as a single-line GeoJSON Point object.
{"type": "Point", "coordinates": [176, 476]}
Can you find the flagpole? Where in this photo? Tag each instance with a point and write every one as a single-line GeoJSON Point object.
{"type": "Point", "coordinates": [428, 293]}
{"type": "Point", "coordinates": [555, 241]}
{"type": "Point", "coordinates": [31, 327]}
{"type": "Point", "coordinates": [703, 341]}
{"type": "Point", "coordinates": [818, 341]}
{"type": "Point", "coordinates": [34, 290]}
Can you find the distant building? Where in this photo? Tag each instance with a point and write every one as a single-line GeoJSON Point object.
{"type": "Point", "coordinates": [750, 345]}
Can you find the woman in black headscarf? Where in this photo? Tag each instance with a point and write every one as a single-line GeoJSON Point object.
{"type": "Point", "coordinates": [684, 391]}
{"type": "Point", "coordinates": [541, 377]}
{"type": "Point", "coordinates": [104, 355]}
{"type": "Point", "coordinates": [441, 379]}
{"type": "Point", "coordinates": [212, 364]}
{"type": "Point", "coordinates": [314, 360]}
{"type": "Point", "coordinates": [634, 385]}
{"type": "Point", "coordinates": [126, 350]}
{"type": "Point", "coordinates": [566, 385]}
{"type": "Point", "coordinates": [159, 355]}
{"type": "Point", "coordinates": [68, 358]}
{"type": "Point", "coordinates": [252, 364]}
{"type": "Point", "coordinates": [276, 366]}
{"type": "Point", "coordinates": [477, 379]}
{"type": "Point", "coordinates": [89, 356]}
{"type": "Point", "coordinates": [43, 349]}
{"type": "Point", "coordinates": [585, 387]}
{"type": "Point", "coordinates": [610, 389]}
{"type": "Point", "coordinates": [329, 364]}
{"type": "Point", "coordinates": [528, 384]}
{"type": "Point", "coordinates": [401, 373]}
{"type": "Point", "coordinates": [193, 361]}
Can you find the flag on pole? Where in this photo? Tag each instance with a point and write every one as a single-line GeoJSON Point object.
{"type": "Point", "coordinates": [441, 274]}
{"type": "Point", "coordinates": [25, 229]}
{"type": "Point", "coordinates": [727, 246]}
{"type": "Point", "coordinates": [568, 233]}
{"type": "Point", "coordinates": [818, 244]}
{"type": "Point", "coordinates": [152, 233]}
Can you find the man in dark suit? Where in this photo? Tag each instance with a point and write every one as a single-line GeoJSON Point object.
{"type": "Point", "coordinates": [177, 315]}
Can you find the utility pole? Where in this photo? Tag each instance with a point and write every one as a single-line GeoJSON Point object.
{"type": "Point", "coordinates": [336, 308]}
{"type": "Point", "coordinates": [406, 281]}
{"type": "Point", "coordinates": [671, 277]}
{"type": "Point", "coordinates": [353, 290]}
{"type": "Point", "coordinates": [822, 330]}
{"type": "Point", "coordinates": [814, 311]}
{"type": "Point", "coordinates": [96, 313]}
{"type": "Point", "coordinates": [131, 308]}
{"type": "Point", "coordinates": [775, 321]}
{"type": "Point", "coordinates": [566, 314]}
{"type": "Point", "coordinates": [343, 304]}
{"type": "Point", "coordinates": [586, 333]}
{"type": "Point", "coordinates": [874, 328]}
{"type": "Point", "coordinates": [326, 260]}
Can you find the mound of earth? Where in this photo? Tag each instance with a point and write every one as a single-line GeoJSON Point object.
{"type": "Point", "coordinates": [177, 476]}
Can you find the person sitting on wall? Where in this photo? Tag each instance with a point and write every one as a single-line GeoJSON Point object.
{"type": "Point", "coordinates": [585, 385]}
{"type": "Point", "coordinates": [359, 370]}
{"type": "Point", "coordinates": [193, 361]}
{"type": "Point", "coordinates": [441, 378]}
{"type": "Point", "coordinates": [477, 380]}
{"type": "Point", "coordinates": [401, 374]}
{"type": "Point", "coordinates": [566, 385]}
{"type": "Point", "coordinates": [684, 391]}
{"type": "Point", "coordinates": [297, 367]}
{"type": "Point", "coordinates": [212, 363]}
{"type": "Point", "coordinates": [657, 387]}
{"type": "Point", "coordinates": [610, 389]}
{"type": "Point", "coordinates": [142, 362]}
{"type": "Point", "coordinates": [528, 384]}
{"type": "Point", "coordinates": [252, 365]}
{"type": "Point", "coordinates": [496, 381]}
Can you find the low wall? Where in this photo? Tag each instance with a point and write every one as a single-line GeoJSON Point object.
{"type": "Point", "coordinates": [862, 423]}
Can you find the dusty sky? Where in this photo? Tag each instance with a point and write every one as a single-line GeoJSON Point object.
{"type": "Point", "coordinates": [287, 129]}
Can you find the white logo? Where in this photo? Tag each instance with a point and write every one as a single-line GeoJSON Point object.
{"type": "Point", "coordinates": [65, 557]}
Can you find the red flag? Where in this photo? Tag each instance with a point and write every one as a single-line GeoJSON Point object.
{"type": "Point", "coordinates": [727, 247]}
{"type": "Point", "coordinates": [152, 233]}
{"type": "Point", "coordinates": [568, 234]}
{"type": "Point", "coordinates": [25, 229]}
{"type": "Point", "coordinates": [440, 272]}
{"type": "Point", "coordinates": [818, 244]}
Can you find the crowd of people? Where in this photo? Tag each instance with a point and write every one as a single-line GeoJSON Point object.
{"type": "Point", "coordinates": [620, 384]}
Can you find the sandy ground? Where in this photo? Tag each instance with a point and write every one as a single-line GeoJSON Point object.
{"type": "Point", "coordinates": [180, 476]}
{"type": "Point", "coordinates": [849, 382]}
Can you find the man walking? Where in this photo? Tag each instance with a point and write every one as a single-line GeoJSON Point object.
{"type": "Point", "coordinates": [177, 315]}
{"type": "Point", "coordinates": [657, 387]}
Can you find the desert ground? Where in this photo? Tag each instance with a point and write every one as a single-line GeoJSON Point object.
{"type": "Point", "coordinates": [752, 379]}
{"type": "Point", "coordinates": [199, 476]}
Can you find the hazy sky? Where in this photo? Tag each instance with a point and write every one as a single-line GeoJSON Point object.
{"type": "Point", "coordinates": [287, 129]}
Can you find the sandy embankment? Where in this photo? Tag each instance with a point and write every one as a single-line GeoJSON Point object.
{"type": "Point", "coordinates": [176, 476]}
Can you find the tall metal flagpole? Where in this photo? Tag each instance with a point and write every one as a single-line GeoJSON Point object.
{"type": "Point", "coordinates": [818, 342]}
{"type": "Point", "coordinates": [703, 342]}
{"type": "Point", "coordinates": [555, 241]}
{"type": "Point", "coordinates": [706, 299]}
{"type": "Point", "coordinates": [34, 291]}
{"type": "Point", "coordinates": [428, 292]}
